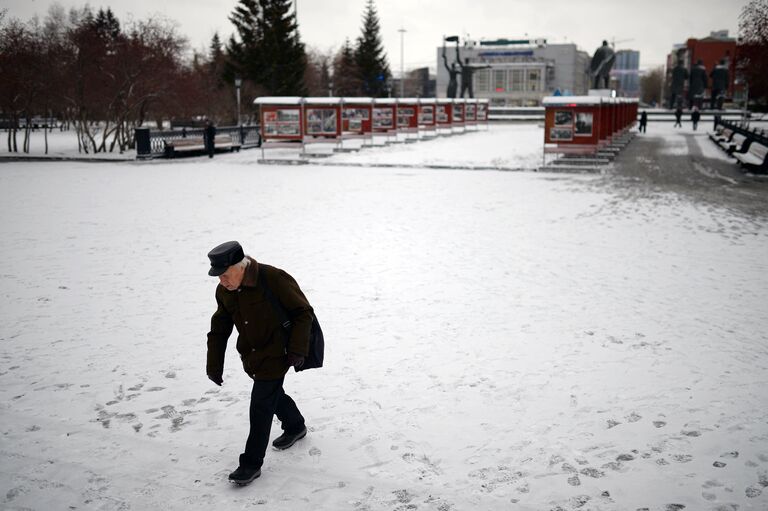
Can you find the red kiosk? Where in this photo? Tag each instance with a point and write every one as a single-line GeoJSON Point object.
{"type": "Point", "coordinates": [385, 118]}
{"type": "Point", "coordinates": [357, 120]}
{"type": "Point", "coordinates": [427, 126]}
{"type": "Point", "coordinates": [282, 122]}
{"type": "Point", "coordinates": [444, 116]}
{"type": "Point", "coordinates": [408, 119]}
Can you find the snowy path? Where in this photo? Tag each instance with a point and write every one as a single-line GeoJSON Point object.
{"type": "Point", "coordinates": [496, 340]}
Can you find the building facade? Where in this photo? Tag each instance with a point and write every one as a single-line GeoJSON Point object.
{"type": "Point", "coordinates": [625, 74]}
{"type": "Point", "coordinates": [517, 73]}
{"type": "Point", "coordinates": [710, 50]}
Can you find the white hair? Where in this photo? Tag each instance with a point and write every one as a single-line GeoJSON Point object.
{"type": "Point", "coordinates": [243, 263]}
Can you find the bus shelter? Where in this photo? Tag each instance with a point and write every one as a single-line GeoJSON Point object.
{"type": "Point", "coordinates": [444, 116]}
{"type": "Point", "coordinates": [408, 118]}
{"type": "Point", "coordinates": [385, 118]}
{"type": "Point", "coordinates": [357, 120]}
{"type": "Point", "coordinates": [281, 122]}
{"type": "Point", "coordinates": [426, 113]}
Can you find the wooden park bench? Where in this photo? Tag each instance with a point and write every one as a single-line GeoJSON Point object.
{"type": "Point", "coordinates": [226, 142]}
{"type": "Point", "coordinates": [736, 143]}
{"type": "Point", "coordinates": [187, 144]}
{"type": "Point", "coordinates": [755, 159]}
{"type": "Point", "coordinates": [197, 144]}
{"type": "Point", "coordinates": [722, 136]}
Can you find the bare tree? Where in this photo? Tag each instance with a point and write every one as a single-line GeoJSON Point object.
{"type": "Point", "coordinates": [651, 85]}
{"type": "Point", "coordinates": [752, 51]}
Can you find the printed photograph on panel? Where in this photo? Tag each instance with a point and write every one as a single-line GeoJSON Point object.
{"type": "Point", "coordinates": [563, 118]}
{"type": "Point", "coordinates": [288, 115]}
{"type": "Point", "coordinates": [561, 134]}
{"type": "Point", "coordinates": [584, 124]}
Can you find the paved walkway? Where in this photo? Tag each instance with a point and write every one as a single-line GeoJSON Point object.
{"type": "Point", "coordinates": [659, 164]}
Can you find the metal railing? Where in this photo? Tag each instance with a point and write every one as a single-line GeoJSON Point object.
{"type": "Point", "coordinates": [153, 143]}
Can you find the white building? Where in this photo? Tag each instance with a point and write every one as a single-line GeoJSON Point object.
{"type": "Point", "coordinates": [521, 73]}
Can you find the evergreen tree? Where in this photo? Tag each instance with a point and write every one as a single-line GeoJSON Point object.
{"type": "Point", "coordinates": [345, 75]}
{"type": "Point", "coordinates": [283, 54]}
{"type": "Point", "coordinates": [268, 50]}
{"type": "Point", "coordinates": [106, 23]}
{"type": "Point", "coordinates": [244, 51]}
{"type": "Point", "coordinates": [216, 62]}
{"type": "Point", "coordinates": [370, 59]}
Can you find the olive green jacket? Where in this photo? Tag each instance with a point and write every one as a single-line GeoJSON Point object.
{"type": "Point", "coordinates": [261, 340]}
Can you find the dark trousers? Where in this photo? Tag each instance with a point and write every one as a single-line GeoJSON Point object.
{"type": "Point", "coordinates": [267, 400]}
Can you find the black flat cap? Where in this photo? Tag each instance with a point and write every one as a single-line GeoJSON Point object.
{"type": "Point", "coordinates": [224, 256]}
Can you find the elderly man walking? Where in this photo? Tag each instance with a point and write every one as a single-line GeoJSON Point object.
{"type": "Point", "coordinates": [245, 299]}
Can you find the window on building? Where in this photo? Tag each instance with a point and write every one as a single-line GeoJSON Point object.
{"type": "Point", "coordinates": [499, 80]}
{"type": "Point", "coordinates": [517, 79]}
{"type": "Point", "coordinates": [483, 81]}
{"type": "Point", "coordinates": [534, 80]}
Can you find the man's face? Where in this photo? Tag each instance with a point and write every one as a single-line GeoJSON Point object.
{"type": "Point", "coordinates": [232, 278]}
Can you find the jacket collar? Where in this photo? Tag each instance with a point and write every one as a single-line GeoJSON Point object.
{"type": "Point", "coordinates": [251, 276]}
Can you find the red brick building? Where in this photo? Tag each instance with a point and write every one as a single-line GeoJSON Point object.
{"type": "Point", "coordinates": [710, 50]}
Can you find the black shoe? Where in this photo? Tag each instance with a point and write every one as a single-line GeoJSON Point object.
{"type": "Point", "coordinates": [286, 440]}
{"type": "Point", "coordinates": [244, 475]}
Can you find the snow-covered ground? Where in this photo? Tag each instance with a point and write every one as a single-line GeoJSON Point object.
{"type": "Point", "coordinates": [495, 340]}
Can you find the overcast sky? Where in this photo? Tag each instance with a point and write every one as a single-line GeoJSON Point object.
{"type": "Point", "coordinates": [650, 26]}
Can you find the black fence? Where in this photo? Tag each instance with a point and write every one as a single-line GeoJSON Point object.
{"type": "Point", "coordinates": [154, 143]}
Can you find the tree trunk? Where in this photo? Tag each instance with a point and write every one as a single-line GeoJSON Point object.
{"type": "Point", "coordinates": [45, 129]}
{"type": "Point", "coordinates": [27, 131]}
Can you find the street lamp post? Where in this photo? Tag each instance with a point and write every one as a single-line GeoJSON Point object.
{"type": "Point", "coordinates": [238, 83]}
{"type": "Point", "coordinates": [402, 72]}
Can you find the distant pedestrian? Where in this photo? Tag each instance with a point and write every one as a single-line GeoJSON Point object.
{"type": "Point", "coordinates": [209, 137]}
{"type": "Point", "coordinates": [695, 116]}
{"type": "Point", "coordinates": [678, 117]}
{"type": "Point", "coordinates": [643, 121]}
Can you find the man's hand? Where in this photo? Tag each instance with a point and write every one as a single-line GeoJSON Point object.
{"type": "Point", "coordinates": [216, 378]}
{"type": "Point", "coordinates": [294, 360]}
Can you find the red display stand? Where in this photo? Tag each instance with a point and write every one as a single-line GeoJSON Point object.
{"type": "Point", "coordinates": [357, 119]}
{"type": "Point", "coordinates": [322, 122]}
{"type": "Point", "coordinates": [482, 112]}
{"type": "Point", "coordinates": [585, 124]}
{"type": "Point", "coordinates": [385, 117]}
{"type": "Point", "coordinates": [281, 118]}
{"type": "Point", "coordinates": [575, 124]}
{"type": "Point", "coordinates": [282, 122]}
{"type": "Point", "coordinates": [427, 125]}
{"type": "Point", "coordinates": [408, 118]}
{"type": "Point", "coordinates": [322, 118]}
{"type": "Point", "coordinates": [470, 113]}
{"type": "Point", "coordinates": [444, 116]}
{"type": "Point", "coordinates": [457, 122]}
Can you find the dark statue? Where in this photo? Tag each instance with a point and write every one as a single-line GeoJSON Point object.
{"type": "Point", "coordinates": [452, 72]}
{"type": "Point", "coordinates": [720, 80]}
{"type": "Point", "coordinates": [467, 72]}
{"type": "Point", "coordinates": [698, 84]}
{"type": "Point", "coordinates": [679, 76]}
{"type": "Point", "coordinates": [600, 67]}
